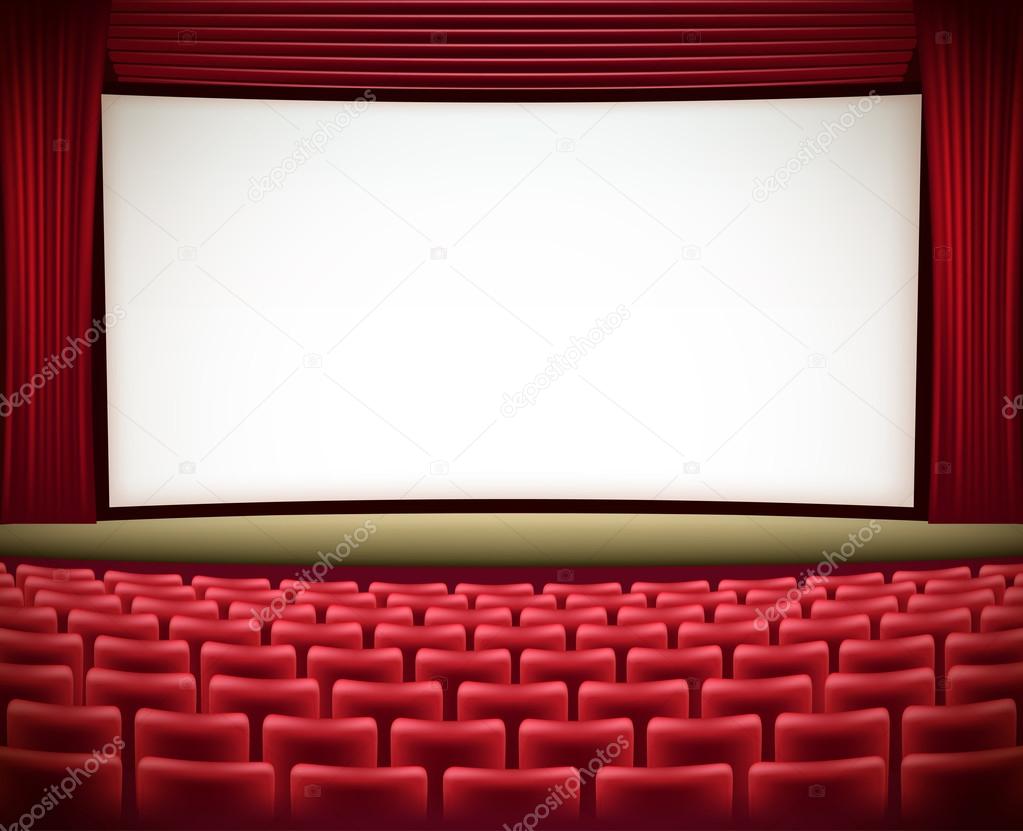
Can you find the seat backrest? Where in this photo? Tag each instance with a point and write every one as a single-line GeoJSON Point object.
{"type": "Point", "coordinates": [658, 797]}
{"type": "Point", "coordinates": [201, 737]}
{"type": "Point", "coordinates": [955, 728]}
{"type": "Point", "coordinates": [61, 728]}
{"type": "Point", "coordinates": [475, 796]}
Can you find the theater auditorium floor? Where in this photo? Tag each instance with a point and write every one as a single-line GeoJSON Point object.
{"type": "Point", "coordinates": [511, 540]}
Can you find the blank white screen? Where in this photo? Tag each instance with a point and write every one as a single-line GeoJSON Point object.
{"type": "Point", "coordinates": [341, 301]}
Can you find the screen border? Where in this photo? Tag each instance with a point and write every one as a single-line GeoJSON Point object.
{"type": "Point", "coordinates": [925, 330]}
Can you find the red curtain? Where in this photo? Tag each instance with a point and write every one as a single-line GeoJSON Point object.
{"type": "Point", "coordinates": [971, 63]}
{"type": "Point", "coordinates": [51, 72]}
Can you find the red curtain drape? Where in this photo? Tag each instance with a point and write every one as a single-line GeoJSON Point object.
{"type": "Point", "coordinates": [51, 72]}
{"type": "Point", "coordinates": [971, 64]}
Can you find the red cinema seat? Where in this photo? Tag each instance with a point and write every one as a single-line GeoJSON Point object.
{"type": "Point", "coordinates": [63, 604]}
{"type": "Point", "coordinates": [920, 577]}
{"type": "Point", "coordinates": [258, 698]}
{"type": "Point", "coordinates": [200, 737]}
{"type": "Point", "coordinates": [369, 619]}
{"type": "Point", "coordinates": [886, 656]}
{"type": "Point", "coordinates": [571, 619]}
{"type": "Point", "coordinates": [516, 603]}
{"type": "Point", "coordinates": [978, 789]}
{"type": "Point", "coordinates": [294, 587]}
{"type": "Point", "coordinates": [817, 737]}
{"type": "Point", "coordinates": [410, 639]}
{"type": "Point", "coordinates": [764, 697]}
{"type": "Point", "coordinates": [513, 704]}
{"type": "Point", "coordinates": [517, 639]}
{"type": "Point", "coordinates": [474, 590]}
{"type": "Point", "coordinates": [90, 625]}
{"type": "Point", "coordinates": [726, 635]}
{"type": "Point", "coordinates": [767, 618]}
{"type": "Point", "coordinates": [1001, 618]}
{"type": "Point", "coordinates": [131, 691]}
{"type": "Point", "coordinates": [830, 630]}
{"type": "Point", "coordinates": [939, 625]}
{"type": "Point", "coordinates": [347, 797]}
{"type": "Point", "coordinates": [1014, 595]}
{"type": "Point", "coordinates": [26, 570]}
{"type": "Point", "coordinates": [975, 601]}
{"type": "Point", "coordinates": [847, 793]}
{"type": "Point", "coordinates": [708, 601]}
{"type": "Point", "coordinates": [272, 600]}
{"type": "Point", "coordinates": [290, 741]}
{"type": "Point", "coordinates": [873, 607]}
{"type": "Point", "coordinates": [794, 603]}
{"type": "Point", "coordinates": [900, 591]}
{"type": "Point", "coordinates": [7, 580]}
{"type": "Point", "coordinates": [561, 591]}
{"type": "Point", "coordinates": [671, 616]}
{"type": "Point", "coordinates": [1009, 571]}
{"type": "Point", "coordinates": [386, 702]}
{"type": "Point", "coordinates": [693, 665]}
{"type": "Point", "coordinates": [179, 793]}
{"type": "Point", "coordinates": [419, 603]}
{"type": "Point", "coordinates": [778, 585]}
{"type": "Point", "coordinates": [28, 618]}
{"type": "Point", "coordinates": [112, 577]}
{"type": "Point", "coordinates": [197, 631]}
{"type": "Point", "coordinates": [436, 746]}
{"type": "Point", "coordinates": [988, 682]}
{"type": "Point", "coordinates": [49, 683]}
{"type": "Point", "coordinates": [11, 598]}
{"type": "Point", "coordinates": [62, 728]}
{"type": "Point", "coordinates": [697, 796]}
{"type": "Point", "coordinates": [810, 658]}
{"type": "Point", "coordinates": [381, 589]}
{"type": "Point", "coordinates": [260, 617]}
{"type": "Point", "coordinates": [621, 639]}
{"type": "Point", "coordinates": [956, 728]}
{"type": "Point", "coordinates": [984, 647]}
{"type": "Point", "coordinates": [201, 582]}
{"type": "Point", "coordinates": [127, 592]}
{"type": "Point", "coordinates": [732, 740]}
{"type": "Point", "coordinates": [637, 702]}
{"type": "Point", "coordinates": [167, 609]}
{"type": "Point", "coordinates": [481, 797]}
{"type": "Point", "coordinates": [833, 582]}
{"type": "Point", "coordinates": [33, 585]}
{"type": "Point", "coordinates": [242, 661]}
{"type": "Point", "coordinates": [327, 664]}
{"type": "Point", "coordinates": [140, 656]}
{"type": "Point", "coordinates": [894, 691]}
{"type": "Point", "coordinates": [612, 604]}
{"type": "Point", "coordinates": [994, 582]}
{"type": "Point", "coordinates": [469, 618]}
{"type": "Point", "coordinates": [584, 745]}
{"type": "Point", "coordinates": [572, 668]}
{"type": "Point", "coordinates": [451, 669]}
{"type": "Point", "coordinates": [323, 602]}
{"type": "Point", "coordinates": [87, 788]}
{"type": "Point", "coordinates": [652, 589]}
{"type": "Point", "coordinates": [302, 636]}
{"type": "Point", "coordinates": [42, 648]}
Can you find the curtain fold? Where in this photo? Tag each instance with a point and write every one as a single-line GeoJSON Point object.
{"type": "Point", "coordinates": [51, 73]}
{"type": "Point", "coordinates": [971, 65]}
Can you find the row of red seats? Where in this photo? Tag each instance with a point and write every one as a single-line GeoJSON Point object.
{"type": "Point", "coordinates": [706, 771]}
